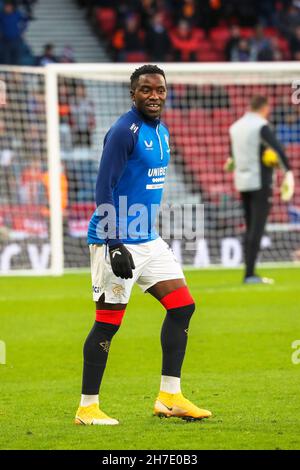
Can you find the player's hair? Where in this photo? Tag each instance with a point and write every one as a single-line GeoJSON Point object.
{"type": "Point", "coordinates": [257, 102]}
{"type": "Point", "coordinates": [148, 68]}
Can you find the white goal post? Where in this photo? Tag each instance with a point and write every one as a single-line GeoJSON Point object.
{"type": "Point", "coordinates": [52, 125]}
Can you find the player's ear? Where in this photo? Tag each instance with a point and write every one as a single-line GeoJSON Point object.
{"type": "Point", "coordinates": [132, 94]}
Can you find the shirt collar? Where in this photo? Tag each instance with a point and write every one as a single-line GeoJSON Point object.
{"type": "Point", "coordinates": [150, 122]}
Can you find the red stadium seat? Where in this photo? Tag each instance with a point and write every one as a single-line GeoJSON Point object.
{"type": "Point", "coordinates": [270, 32]}
{"type": "Point", "coordinates": [200, 114]}
{"type": "Point", "coordinates": [210, 55]}
{"type": "Point", "coordinates": [220, 33]}
{"type": "Point", "coordinates": [204, 45]}
{"type": "Point", "coordinates": [199, 33]}
{"type": "Point", "coordinates": [247, 33]}
{"type": "Point", "coordinates": [136, 57]}
{"type": "Point", "coordinates": [218, 45]}
{"type": "Point", "coordinates": [106, 19]}
{"type": "Point", "coordinates": [222, 114]}
{"type": "Point", "coordinates": [173, 119]}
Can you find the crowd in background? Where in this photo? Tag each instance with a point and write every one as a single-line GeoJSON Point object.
{"type": "Point", "coordinates": [192, 30]}
{"type": "Point", "coordinates": [167, 30]}
{"type": "Point", "coordinates": [15, 18]}
{"type": "Point", "coordinates": [24, 177]}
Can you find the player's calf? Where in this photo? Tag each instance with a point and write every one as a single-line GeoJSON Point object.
{"type": "Point", "coordinates": [180, 308]}
{"type": "Point", "coordinates": [95, 354]}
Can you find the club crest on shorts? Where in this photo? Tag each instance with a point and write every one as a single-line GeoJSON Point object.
{"type": "Point", "coordinates": [118, 290]}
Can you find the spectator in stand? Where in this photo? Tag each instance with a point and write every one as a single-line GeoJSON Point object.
{"type": "Point", "coordinates": [32, 144]}
{"type": "Point", "coordinates": [210, 13]}
{"type": "Point", "coordinates": [297, 56]}
{"type": "Point", "coordinates": [64, 119]}
{"type": "Point", "coordinates": [246, 11]}
{"type": "Point", "coordinates": [187, 10]}
{"type": "Point", "coordinates": [276, 52]}
{"type": "Point", "coordinates": [288, 131]}
{"type": "Point", "coordinates": [35, 106]}
{"type": "Point", "coordinates": [67, 56]}
{"type": "Point", "coordinates": [184, 40]}
{"type": "Point", "coordinates": [241, 52]}
{"type": "Point", "coordinates": [295, 42]}
{"type": "Point", "coordinates": [260, 46]}
{"type": "Point", "coordinates": [282, 109]}
{"type": "Point", "coordinates": [82, 118]}
{"type": "Point", "coordinates": [27, 5]}
{"type": "Point", "coordinates": [128, 40]}
{"type": "Point", "coordinates": [204, 97]}
{"type": "Point", "coordinates": [48, 56]}
{"type": "Point", "coordinates": [34, 187]}
{"type": "Point", "coordinates": [12, 25]}
{"type": "Point", "coordinates": [147, 11]}
{"type": "Point", "coordinates": [31, 187]}
{"type": "Point", "coordinates": [268, 15]}
{"type": "Point", "coordinates": [233, 41]}
{"type": "Point", "coordinates": [138, 25]}
{"type": "Point", "coordinates": [289, 19]}
{"type": "Point", "coordinates": [7, 180]}
{"type": "Point", "coordinates": [157, 42]}
{"type": "Point", "coordinates": [45, 180]}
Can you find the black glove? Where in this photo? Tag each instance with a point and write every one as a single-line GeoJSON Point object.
{"type": "Point", "coordinates": [121, 261]}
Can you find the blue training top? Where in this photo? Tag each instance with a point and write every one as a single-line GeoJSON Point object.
{"type": "Point", "coordinates": [130, 180]}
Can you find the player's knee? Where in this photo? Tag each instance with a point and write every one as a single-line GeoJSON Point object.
{"type": "Point", "coordinates": [190, 309]}
{"type": "Point", "coordinates": [177, 299]}
{"type": "Point", "coordinates": [101, 333]}
{"type": "Point", "coordinates": [182, 314]}
{"type": "Point", "coordinates": [111, 317]}
{"type": "Point", "coordinates": [179, 304]}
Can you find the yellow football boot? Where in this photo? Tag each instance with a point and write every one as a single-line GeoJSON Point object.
{"type": "Point", "coordinates": [174, 404]}
{"type": "Point", "coordinates": [91, 414]}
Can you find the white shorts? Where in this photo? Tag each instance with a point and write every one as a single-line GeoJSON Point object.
{"type": "Point", "coordinates": [154, 262]}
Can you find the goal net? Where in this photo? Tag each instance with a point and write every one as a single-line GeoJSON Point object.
{"type": "Point", "coordinates": [52, 127]}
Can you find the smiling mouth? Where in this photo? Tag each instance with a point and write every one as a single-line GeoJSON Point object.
{"type": "Point", "coordinates": [153, 106]}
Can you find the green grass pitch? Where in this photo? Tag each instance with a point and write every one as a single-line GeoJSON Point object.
{"type": "Point", "coordinates": [238, 365]}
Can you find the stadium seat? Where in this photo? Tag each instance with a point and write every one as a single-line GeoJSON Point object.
{"type": "Point", "coordinates": [106, 19]}
{"type": "Point", "coordinates": [136, 57]}
{"type": "Point", "coordinates": [270, 32]}
{"type": "Point", "coordinates": [218, 45]}
{"type": "Point", "coordinates": [200, 114]}
{"type": "Point", "coordinates": [210, 55]}
{"type": "Point", "coordinates": [284, 47]}
{"type": "Point", "coordinates": [220, 33]}
{"type": "Point", "coordinates": [173, 118]}
{"type": "Point", "coordinates": [246, 32]}
{"type": "Point", "coordinates": [204, 45]}
{"type": "Point", "coordinates": [222, 114]}
{"type": "Point", "coordinates": [199, 33]}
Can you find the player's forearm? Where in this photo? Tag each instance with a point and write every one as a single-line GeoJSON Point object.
{"type": "Point", "coordinates": [106, 210]}
{"type": "Point", "coordinates": [108, 177]}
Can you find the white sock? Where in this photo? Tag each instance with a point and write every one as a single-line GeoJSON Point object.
{"type": "Point", "coordinates": [87, 400]}
{"type": "Point", "coordinates": [170, 384]}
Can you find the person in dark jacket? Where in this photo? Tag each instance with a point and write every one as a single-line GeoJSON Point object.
{"type": "Point", "coordinates": [12, 25]}
{"type": "Point", "coordinates": [157, 40]}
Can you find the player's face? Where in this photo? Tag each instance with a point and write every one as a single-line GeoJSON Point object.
{"type": "Point", "coordinates": [266, 110]}
{"type": "Point", "coordinates": [150, 95]}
